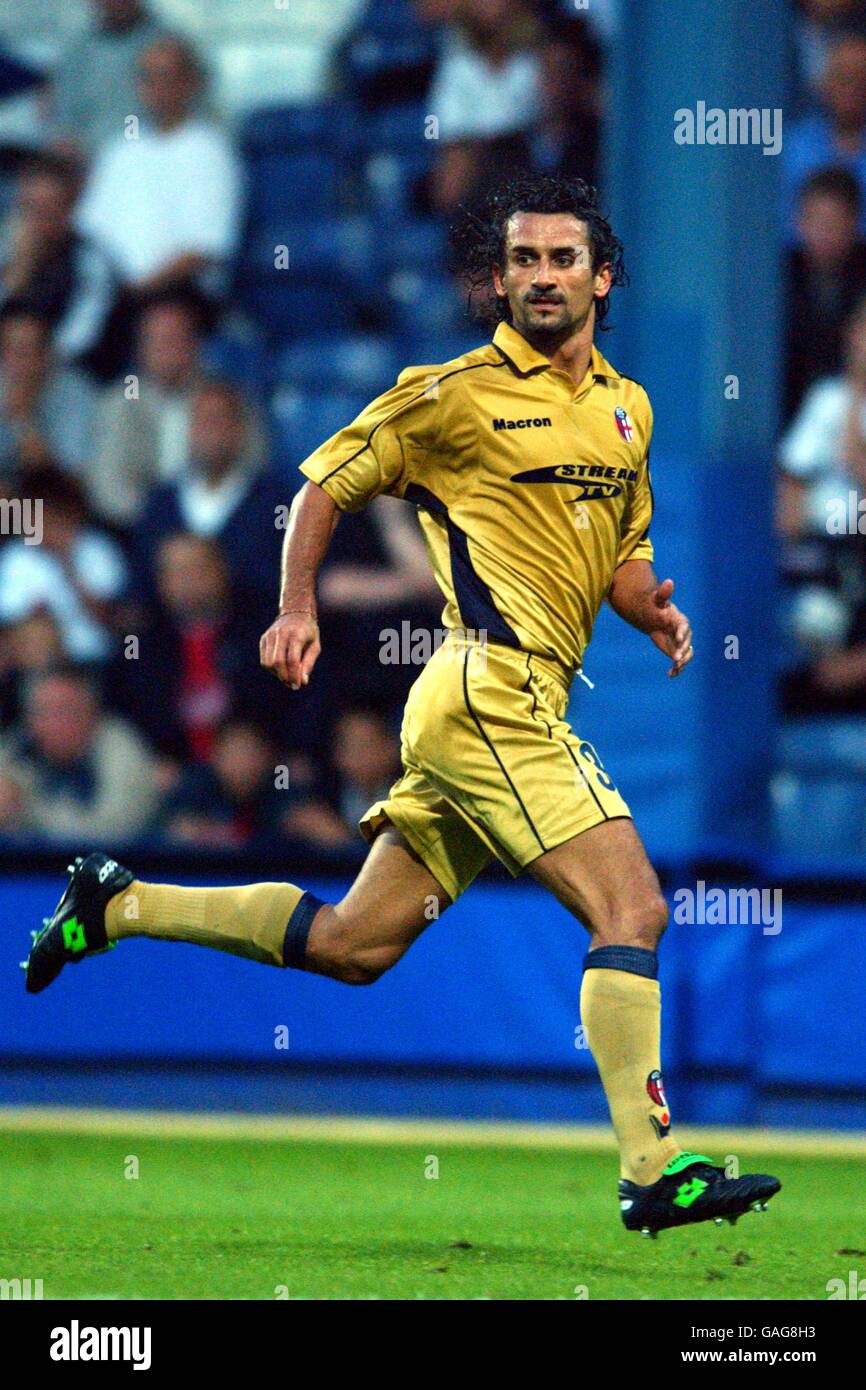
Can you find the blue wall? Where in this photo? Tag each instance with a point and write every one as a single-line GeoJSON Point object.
{"type": "Point", "coordinates": [478, 1019]}
{"type": "Point", "coordinates": [700, 229]}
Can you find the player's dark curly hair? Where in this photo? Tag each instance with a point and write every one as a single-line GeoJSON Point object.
{"type": "Point", "coordinates": [479, 239]}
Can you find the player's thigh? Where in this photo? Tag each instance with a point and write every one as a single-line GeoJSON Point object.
{"type": "Point", "coordinates": [392, 900]}
{"type": "Point", "coordinates": [603, 876]}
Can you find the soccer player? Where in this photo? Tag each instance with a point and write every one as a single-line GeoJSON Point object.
{"type": "Point", "coordinates": [528, 460]}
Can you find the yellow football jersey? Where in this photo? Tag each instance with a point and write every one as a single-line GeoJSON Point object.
{"type": "Point", "coordinates": [531, 490]}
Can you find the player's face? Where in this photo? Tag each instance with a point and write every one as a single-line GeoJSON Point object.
{"type": "Point", "coordinates": [548, 275]}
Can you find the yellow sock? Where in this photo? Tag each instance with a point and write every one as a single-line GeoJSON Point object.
{"type": "Point", "coordinates": [248, 921]}
{"type": "Point", "coordinates": [621, 1016]}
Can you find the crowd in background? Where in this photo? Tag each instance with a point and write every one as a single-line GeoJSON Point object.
{"type": "Point", "coordinates": [160, 381]}
{"type": "Point", "coordinates": [162, 375]}
{"type": "Point", "coordinates": [822, 452]}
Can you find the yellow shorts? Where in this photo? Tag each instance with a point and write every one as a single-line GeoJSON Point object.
{"type": "Point", "coordinates": [490, 765]}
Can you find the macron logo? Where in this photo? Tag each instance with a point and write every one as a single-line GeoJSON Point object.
{"type": "Point", "coordinates": [536, 423]}
{"type": "Point", "coordinates": [77, 1343]}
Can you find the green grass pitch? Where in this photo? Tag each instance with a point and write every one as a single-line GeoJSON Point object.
{"type": "Point", "coordinates": [224, 1219]}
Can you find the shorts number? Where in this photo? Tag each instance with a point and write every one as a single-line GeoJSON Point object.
{"type": "Point", "coordinates": [603, 778]}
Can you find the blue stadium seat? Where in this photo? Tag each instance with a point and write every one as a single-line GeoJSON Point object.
{"type": "Point", "coordinates": [423, 301]}
{"type": "Point", "coordinates": [305, 419]}
{"type": "Point", "coordinates": [364, 363]}
{"type": "Point", "coordinates": [823, 746]}
{"type": "Point", "coordinates": [396, 155]}
{"type": "Point", "coordinates": [819, 814]}
{"type": "Point", "coordinates": [282, 129]}
{"type": "Point", "coordinates": [400, 128]}
{"type": "Point", "coordinates": [349, 244]}
{"type": "Point", "coordinates": [287, 308]}
{"type": "Point", "coordinates": [388, 55]}
{"type": "Point", "coordinates": [392, 19]}
{"type": "Point", "coordinates": [285, 182]}
{"type": "Point", "coordinates": [422, 348]}
{"type": "Point", "coordinates": [413, 243]}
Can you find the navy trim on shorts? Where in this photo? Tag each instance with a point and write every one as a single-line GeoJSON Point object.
{"type": "Point", "coordinates": [590, 788]}
{"type": "Point", "coordinates": [479, 726]}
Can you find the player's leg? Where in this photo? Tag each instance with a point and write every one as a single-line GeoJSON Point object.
{"type": "Point", "coordinates": [355, 940]}
{"type": "Point", "coordinates": [393, 899]}
{"type": "Point", "coordinates": [605, 879]}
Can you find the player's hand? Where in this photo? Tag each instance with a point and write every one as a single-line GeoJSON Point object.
{"type": "Point", "coordinates": [290, 648]}
{"type": "Point", "coordinates": [669, 628]}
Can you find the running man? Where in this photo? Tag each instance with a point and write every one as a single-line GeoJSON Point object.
{"type": "Point", "coordinates": [528, 460]}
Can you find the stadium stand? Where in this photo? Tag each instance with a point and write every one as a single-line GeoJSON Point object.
{"type": "Point", "coordinates": [341, 278]}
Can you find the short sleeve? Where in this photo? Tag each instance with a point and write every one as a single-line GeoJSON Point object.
{"type": "Point", "coordinates": [378, 451]}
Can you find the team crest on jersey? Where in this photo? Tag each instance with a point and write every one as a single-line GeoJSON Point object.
{"type": "Point", "coordinates": [623, 423]}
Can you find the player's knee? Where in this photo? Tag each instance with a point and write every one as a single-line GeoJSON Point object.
{"type": "Point", "coordinates": [654, 919]}
{"type": "Point", "coordinates": [641, 923]}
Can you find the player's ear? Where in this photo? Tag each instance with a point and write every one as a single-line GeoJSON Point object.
{"type": "Point", "coordinates": [498, 284]}
{"type": "Point", "coordinates": [603, 280]}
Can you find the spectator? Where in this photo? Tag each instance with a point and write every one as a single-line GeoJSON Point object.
{"type": "Point", "coordinates": [234, 801]}
{"type": "Point", "coordinates": [818, 26]}
{"type": "Point", "coordinates": [48, 267]}
{"type": "Point", "coordinates": [72, 774]}
{"type": "Point", "coordinates": [46, 410]}
{"type": "Point", "coordinates": [823, 453]}
{"type": "Point", "coordinates": [141, 438]}
{"type": "Point", "coordinates": [823, 462]}
{"type": "Point", "coordinates": [834, 136]}
{"type": "Point", "coordinates": [163, 206]}
{"type": "Point", "coordinates": [32, 644]}
{"type": "Point", "coordinates": [364, 763]}
{"type": "Point", "coordinates": [376, 577]}
{"type": "Point", "coordinates": [200, 651]}
{"type": "Point", "coordinates": [223, 492]}
{"type": "Point", "coordinates": [95, 80]}
{"type": "Point", "coordinates": [826, 276]}
{"type": "Point", "coordinates": [376, 72]}
{"type": "Point", "coordinates": [566, 140]}
{"type": "Point", "coordinates": [75, 573]}
{"type": "Point", "coordinates": [366, 760]}
{"type": "Point", "coordinates": [486, 96]}
{"type": "Point", "coordinates": [22, 89]}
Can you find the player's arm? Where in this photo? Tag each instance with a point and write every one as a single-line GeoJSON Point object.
{"type": "Point", "coordinates": [638, 597]}
{"type": "Point", "coordinates": [358, 463]}
{"type": "Point", "coordinates": [291, 644]}
{"type": "Point", "coordinates": [635, 592]}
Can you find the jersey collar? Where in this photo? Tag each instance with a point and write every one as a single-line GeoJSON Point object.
{"type": "Point", "coordinates": [524, 359]}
